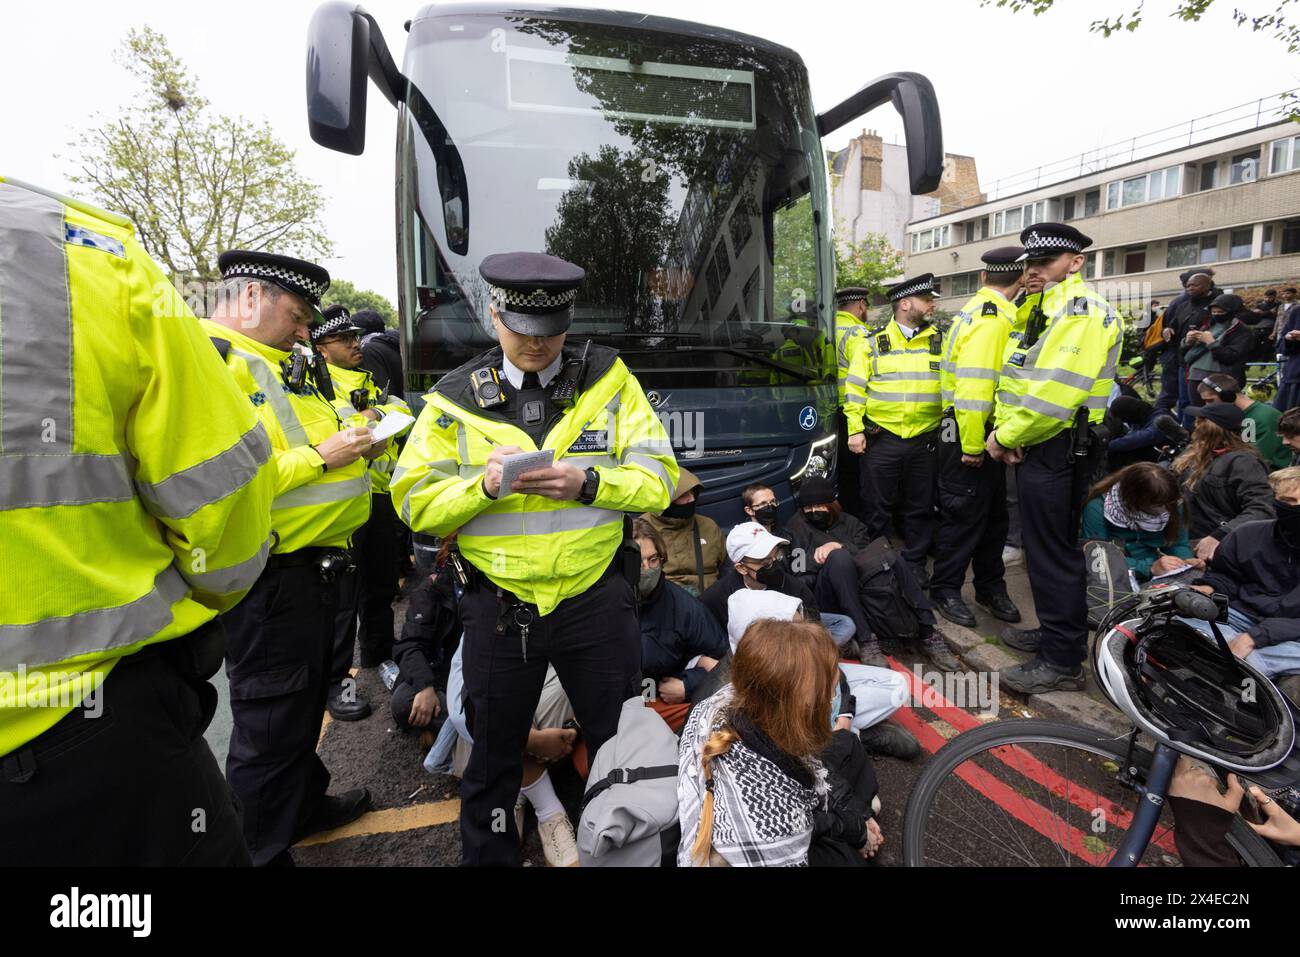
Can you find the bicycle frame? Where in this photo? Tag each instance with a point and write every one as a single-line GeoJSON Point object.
{"type": "Point", "coordinates": [1159, 777]}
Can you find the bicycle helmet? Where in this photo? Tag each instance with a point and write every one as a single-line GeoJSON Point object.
{"type": "Point", "coordinates": [1194, 695]}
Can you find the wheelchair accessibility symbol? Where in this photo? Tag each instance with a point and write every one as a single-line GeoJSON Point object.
{"type": "Point", "coordinates": [808, 418]}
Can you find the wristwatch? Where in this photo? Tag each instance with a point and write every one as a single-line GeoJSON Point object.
{"type": "Point", "coordinates": [587, 494]}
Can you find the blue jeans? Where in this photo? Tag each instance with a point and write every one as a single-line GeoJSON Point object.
{"type": "Point", "coordinates": [1273, 661]}
{"type": "Point", "coordinates": [841, 628]}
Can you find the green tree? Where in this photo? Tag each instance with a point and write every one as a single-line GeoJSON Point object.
{"type": "Point", "coordinates": [868, 262]}
{"type": "Point", "coordinates": [1286, 32]}
{"type": "Point", "coordinates": [344, 293]}
{"type": "Point", "coordinates": [193, 181]}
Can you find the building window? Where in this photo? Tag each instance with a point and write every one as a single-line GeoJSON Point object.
{"type": "Point", "coordinates": [1067, 208]}
{"type": "Point", "coordinates": [970, 231]}
{"type": "Point", "coordinates": [1145, 188]}
{"type": "Point", "coordinates": [1108, 263]}
{"type": "Point", "coordinates": [928, 239]}
{"type": "Point", "coordinates": [1015, 219]}
{"type": "Point", "coordinates": [1091, 202]}
{"type": "Point", "coordinates": [1135, 259]}
{"type": "Point", "coordinates": [1192, 250]}
{"type": "Point", "coordinates": [1209, 175]}
{"type": "Point", "coordinates": [1244, 169]}
{"type": "Point", "coordinates": [1290, 237]}
{"type": "Point", "coordinates": [1209, 249]}
{"type": "Point", "coordinates": [1112, 196]}
{"type": "Point", "coordinates": [1285, 155]}
{"type": "Point", "coordinates": [1090, 266]}
{"type": "Point", "coordinates": [963, 284]}
{"type": "Point", "coordinates": [1268, 241]}
{"type": "Point", "coordinates": [1239, 243]}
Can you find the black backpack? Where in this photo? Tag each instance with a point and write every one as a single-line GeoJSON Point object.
{"type": "Point", "coordinates": [892, 616]}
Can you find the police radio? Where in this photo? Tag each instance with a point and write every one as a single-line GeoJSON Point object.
{"type": "Point", "coordinates": [294, 368]}
{"type": "Point", "coordinates": [320, 371]}
{"type": "Point", "coordinates": [1034, 327]}
{"type": "Point", "coordinates": [569, 381]}
{"type": "Point", "coordinates": [486, 385]}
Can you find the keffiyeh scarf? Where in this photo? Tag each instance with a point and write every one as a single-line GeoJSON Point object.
{"type": "Point", "coordinates": [1120, 516]}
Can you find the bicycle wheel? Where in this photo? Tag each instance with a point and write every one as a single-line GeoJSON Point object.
{"type": "Point", "coordinates": [1033, 793]}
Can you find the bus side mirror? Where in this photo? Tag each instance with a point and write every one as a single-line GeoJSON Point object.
{"type": "Point", "coordinates": [344, 47]}
{"type": "Point", "coordinates": [913, 97]}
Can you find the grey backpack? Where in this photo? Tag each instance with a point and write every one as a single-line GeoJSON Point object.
{"type": "Point", "coordinates": [629, 811]}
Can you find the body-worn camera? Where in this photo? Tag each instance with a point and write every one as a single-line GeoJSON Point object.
{"type": "Point", "coordinates": [360, 399]}
{"type": "Point", "coordinates": [487, 388]}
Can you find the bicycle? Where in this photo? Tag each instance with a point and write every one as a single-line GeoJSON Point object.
{"type": "Point", "coordinates": [1032, 792]}
{"type": "Point", "coordinates": [1142, 380]}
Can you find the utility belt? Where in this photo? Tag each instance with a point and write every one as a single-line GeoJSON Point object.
{"type": "Point", "coordinates": [329, 561]}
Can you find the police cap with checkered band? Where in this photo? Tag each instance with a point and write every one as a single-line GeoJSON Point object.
{"type": "Point", "coordinates": [1003, 259]}
{"type": "Point", "coordinates": [305, 280]}
{"type": "Point", "coordinates": [533, 293]}
{"type": "Point", "coordinates": [1049, 240]}
{"type": "Point", "coordinates": [922, 285]}
{"type": "Point", "coordinates": [336, 321]}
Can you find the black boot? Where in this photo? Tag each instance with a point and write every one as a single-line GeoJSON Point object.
{"type": "Point", "coordinates": [1022, 639]}
{"type": "Point", "coordinates": [1000, 606]}
{"type": "Point", "coordinates": [347, 707]}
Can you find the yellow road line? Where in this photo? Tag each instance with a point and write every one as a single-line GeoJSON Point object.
{"type": "Point", "coordinates": [393, 819]}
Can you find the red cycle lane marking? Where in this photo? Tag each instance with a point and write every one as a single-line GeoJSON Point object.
{"type": "Point", "coordinates": [1026, 764]}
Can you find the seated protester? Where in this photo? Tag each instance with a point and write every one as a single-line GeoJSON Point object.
{"type": "Point", "coordinates": [752, 786]}
{"type": "Point", "coordinates": [1135, 437]}
{"type": "Point", "coordinates": [758, 563]}
{"type": "Point", "coordinates": [1224, 482]}
{"type": "Point", "coordinates": [1257, 566]}
{"type": "Point", "coordinates": [1288, 430]}
{"type": "Point", "coordinates": [423, 654]}
{"type": "Point", "coordinates": [695, 551]}
{"type": "Point", "coordinates": [1259, 421]}
{"type": "Point", "coordinates": [1203, 815]}
{"type": "Point", "coordinates": [1140, 508]}
{"type": "Point", "coordinates": [550, 740]}
{"type": "Point", "coordinates": [1220, 342]}
{"type": "Point", "coordinates": [868, 695]}
{"type": "Point", "coordinates": [760, 506]}
{"type": "Point", "coordinates": [680, 641]}
{"type": "Point", "coordinates": [824, 541]}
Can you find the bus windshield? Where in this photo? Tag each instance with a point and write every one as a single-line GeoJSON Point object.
{"type": "Point", "coordinates": [683, 172]}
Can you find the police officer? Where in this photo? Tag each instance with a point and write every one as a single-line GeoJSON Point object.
{"type": "Point", "coordinates": [279, 641]}
{"type": "Point", "coordinates": [972, 488]}
{"type": "Point", "coordinates": [547, 581]}
{"type": "Point", "coordinates": [366, 592]}
{"type": "Point", "coordinates": [893, 411]}
{"type": "Point", "coordinates": [135, 491]}
{"type": "Point", "coordinates": [1054, 387]}
{"type": "Point", "coordinates": [851, 304]}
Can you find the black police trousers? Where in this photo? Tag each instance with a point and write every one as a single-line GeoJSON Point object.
{"type": "Point", "coordinates": [846, 470]}
{"type": "Point", "coordinates": [899, 474]}
{"type": "Point", "coordinates": [1053, 558]}
{"type": "Point", "coordinates": [127, 778]}
{"type": "Point", "coordinates": [593, 641]}
{"type": "Point", "coordinates": [366, 595]}
{"type": "Point", "coordinates": [972, 527]}
{"type": "Point", "coordinates": [278, 645]}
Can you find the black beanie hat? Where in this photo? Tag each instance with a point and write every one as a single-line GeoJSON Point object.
{"type": "Point", "coordinates": [816, 490]}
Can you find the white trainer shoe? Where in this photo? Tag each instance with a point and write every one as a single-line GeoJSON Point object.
{"type": "Point", "coordinates": [559, 843]}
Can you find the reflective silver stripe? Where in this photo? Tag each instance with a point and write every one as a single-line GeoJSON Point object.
{"type": "Point", "coordinates": [1049, 409]}
{"type": "Point", "coordinates": [842, 355]}
{"type": "Point", "coordinates": [462, 441]}
{"type": "Point", "coordinates": [269, 382]}
{"type": "Point", "coordinates": [439, 468]}
{"type": "Point", "coordinates": [592, 461]}
{"type": "Point", "coordinates": [548, 522]}
{"type": "Point", "coordinates": [39, 481]}
{"type": "Point", "coordinates": [1008, 399]}
{"type": "Point", "coordinates": [470, 471]}
{"type": "Point", "coordinates": [654, 465]}
{"type": "Point", "coordinates": [1097, 401]}
{"type": "Point", "coordinates": [973, 405]}
{"type": "Point", "coordinates": [399, 471]}
{"type": "Point", "coordinates": [223, 581]}
{"type": "Point", "coordinates": [319, 493]}
{"type": "Point", "coordinates": [926, 376]}
{"type": "Point", "coordinates": [856, 380]}
{"type": "Point", "coordinates": [855, 400]}
{"type": "Point", "coordinates": [35, 325]}
{"type": "Point", "coordinates": [1063, 376]}
{"type": "Point", "coordinates": [185, 492]}
{"type": "Point", "coordinates": [975, 372]}
{"type": "Point", "coordinates": [429, 479]}
{"type": "Point", "coordinates": [611, 421]}
{"type": "Point", "coordinates": [99, 629]}
{"type": "Point", "coordinates": [912, 398]}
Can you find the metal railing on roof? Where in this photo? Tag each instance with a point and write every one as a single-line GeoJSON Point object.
{"type": "Point", "coordinates": [1252, 114]}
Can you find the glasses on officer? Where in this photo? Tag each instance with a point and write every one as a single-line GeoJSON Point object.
{"type": "Point", "coordinates": [341, 337]}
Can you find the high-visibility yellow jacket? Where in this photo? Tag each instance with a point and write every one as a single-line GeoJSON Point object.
{"type": "Point", "coordinates": [540, 549]}
{"type": "Point", "coordinates": [1071, 365]}
{"type": "Point", "coordinates": [894, 381]}
{"type": "Point", "coordinates": [849, 333]}
{"type": "Point", "coordinates": [974, 353]}
{"type": "Point", "coordinates": [345, 382]}
{"type": "Point", "coordinates": [135, 486]}
{"type": "Point", "coordinates": [313, 506]}
{"type": "Point", "coordinates": [815, 357]}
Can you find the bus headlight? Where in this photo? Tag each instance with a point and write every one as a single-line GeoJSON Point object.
{"type": "Point", "coordinates": [820, 455]}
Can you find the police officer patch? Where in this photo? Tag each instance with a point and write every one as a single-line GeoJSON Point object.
{"type": "Point", "coordinates": [592, 440]}
{"type": "Point", "coordinates": [442, 421]}
{"type": "Point", "coordinates": [990, 309]}
{"type": "Point", "coordinates": [1079, 306]}
{"type": "Point", "coordinates": [1105, 323]}
{"type": "Point", "coordinates": [934, 366]}
{"type": "Point", "coordinates": [1017, 359]}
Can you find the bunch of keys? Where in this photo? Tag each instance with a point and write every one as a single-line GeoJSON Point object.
{"type": "Point", "coordinates": [523, 618]}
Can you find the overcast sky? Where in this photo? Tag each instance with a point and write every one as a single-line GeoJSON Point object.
{"type": "Point", "coordinates": [1076, 91]}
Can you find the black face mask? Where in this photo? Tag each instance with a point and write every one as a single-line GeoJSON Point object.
{"type": "Point", "coordinates": [1288, 520]}
{"type": "Point", "coordinates": [818, 519]}
{"type": "Point", "coordinates": [765, 514]}
{"type": "Point", "coordinates": [685, 510]}
{"type": "Point", "coordinates": [770, 576]}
